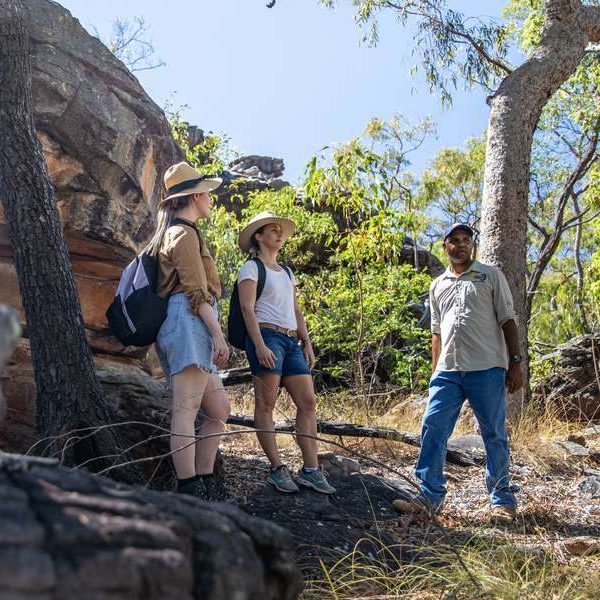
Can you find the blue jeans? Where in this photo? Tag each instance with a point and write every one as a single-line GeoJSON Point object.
{"type": "Point", "coordinates": [486, 393]}
{"type": "Point", "coordinates": [289, 357]}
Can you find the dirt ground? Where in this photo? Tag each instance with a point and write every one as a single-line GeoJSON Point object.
{"type": "Point", "coordinates": [554, 513]}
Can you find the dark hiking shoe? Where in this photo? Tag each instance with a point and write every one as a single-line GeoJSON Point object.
{"type": "Point", "coordinates": [416, 506]}
{"type": "Point", "coordinates": [194, 488]}
{"type": "Point", "coordinates": [282, 481]}
{"type": "Point", "coordinates": [316, 481]}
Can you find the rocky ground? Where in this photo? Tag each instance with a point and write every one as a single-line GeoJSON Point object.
{"type": "Point", "coordinates": [559, 503]}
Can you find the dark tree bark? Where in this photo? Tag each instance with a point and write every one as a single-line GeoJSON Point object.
{"type": "Point", "coordinates": [515, 111]}
{"type": "Point", "coordinates": [68, 393]}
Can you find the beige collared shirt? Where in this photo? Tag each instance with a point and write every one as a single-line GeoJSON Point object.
{"type": "Point", "coordinates": [468, 312]}
{"type": "Point", "coordinates": [185, 265]}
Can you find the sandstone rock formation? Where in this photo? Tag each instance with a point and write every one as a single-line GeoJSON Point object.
{"type": "Point", "coordinates": [10, 331]}
{"type": "Point", "coordinates": [573, 386]}
{"type": "Point", "coordinates": [249, 174]}
{"type": "Point", "coordinates": [68, 534]}
{"type": "Point", "coordinates": [106, 144]}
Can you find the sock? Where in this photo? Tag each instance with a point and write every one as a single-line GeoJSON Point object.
{"type": "Point", "coordinates": [183, 482]}
{"type": "Point", "coordinates": [273, 469]}
{"type": "Point", "coordinates": [309, 470]}
{"type": "Point", "coordinates": [207, 476]}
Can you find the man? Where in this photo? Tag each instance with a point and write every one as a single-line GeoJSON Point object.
{"type": "Point", "coordinates": [475, 356]}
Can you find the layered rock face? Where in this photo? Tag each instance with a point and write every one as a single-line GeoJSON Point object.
{"type": "Point", "coordinates": [572, 388]}
{"type": "Point", "coordinates": [106, 144]}
{"type": "Point", "coordinates": [68, 534]}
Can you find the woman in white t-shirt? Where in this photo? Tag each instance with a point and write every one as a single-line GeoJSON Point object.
{"type": "Point", "coordinates": [278, 349]}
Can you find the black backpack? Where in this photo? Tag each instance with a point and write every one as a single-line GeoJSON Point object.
{"type": "Point", "coordinates": [137, 311]}
{"type": "Point", "coordinates": [236, 326]}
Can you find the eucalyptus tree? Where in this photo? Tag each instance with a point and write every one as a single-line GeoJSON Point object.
{"type": "Point", "coordinates": [450, 47]}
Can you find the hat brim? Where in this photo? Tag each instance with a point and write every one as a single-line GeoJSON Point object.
{"type": "Point", "coordinates": [465, 228]}
{"type": "Point", "coordinates": [206, 185]}
{"type": "Point", "coordinates": [287, 228]}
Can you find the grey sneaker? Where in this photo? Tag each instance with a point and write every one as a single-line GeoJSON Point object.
{"type": "Point", "coordinates": [282, 481]}
{"type": "Point", "coordinates": [316, 481]}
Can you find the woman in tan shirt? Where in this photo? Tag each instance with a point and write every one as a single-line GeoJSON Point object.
{"type": "Point", "coordinates": [190, 343]}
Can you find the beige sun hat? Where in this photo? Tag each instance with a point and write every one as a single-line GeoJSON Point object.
{"type": "Point", "coordinates": [182, 179]}
{"type": "Point", "coordinates": [260, 220]}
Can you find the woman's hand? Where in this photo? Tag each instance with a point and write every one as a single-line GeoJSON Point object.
{"type": "Point", "coordinates": [309, 353]}
{"type": "Point", "coordinates": [265, 356]}
{"type": "Point", "coordinates": [221, 350]}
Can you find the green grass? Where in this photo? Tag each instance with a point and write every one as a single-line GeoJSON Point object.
{"type": "Point", "coordinates": [481, 568]}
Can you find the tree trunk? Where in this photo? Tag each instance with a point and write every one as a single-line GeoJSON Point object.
{"type": "Point", "coordinates": [515, 110]}
{"type": "Point", "coordinates": [68, 393]}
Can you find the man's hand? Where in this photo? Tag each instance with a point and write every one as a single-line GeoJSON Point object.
{"type": "Point", "coordinates": [514, 377]}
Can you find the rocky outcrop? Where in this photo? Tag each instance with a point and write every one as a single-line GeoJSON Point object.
{"type": "Point", "coordinates": [106, 144]}
{"type": "Point", "coordinates": [9, 334]}
{"type": "Point", "coordinates": [573, 386]}
{"type": "Point", "coordinates": [248, 174]}
{"type": "Point", "coordinates": [132, 393]}
{"type": "Point", "coordinates": [68, 534]}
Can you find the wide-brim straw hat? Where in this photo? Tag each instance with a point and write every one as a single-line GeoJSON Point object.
{"type": "Point", "coordinates": [260, 220]}
{"type": "Point", "coordinates": [182, 179]}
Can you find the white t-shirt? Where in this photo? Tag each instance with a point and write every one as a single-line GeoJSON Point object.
{"type": "Point", "coordinates": [276, 303]}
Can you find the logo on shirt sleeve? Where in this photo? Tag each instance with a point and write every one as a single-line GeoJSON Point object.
{"type": "Point", "coordinates": [479, 276]}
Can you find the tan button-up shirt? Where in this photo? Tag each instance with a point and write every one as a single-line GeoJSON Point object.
{"type": "Point", "coordinates": [185, 265]}
{"type": "Point", "coordinates": [468, 311]}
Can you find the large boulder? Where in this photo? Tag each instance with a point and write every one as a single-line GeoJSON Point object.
{"type": "Point", "coordinates": [106, 144]}
{"type": "Point", "coordinates": [572, 387]}
{"type": "Point", "coordinates": [68, 534]}
{"type": "Point", "coordinates": [9, 334]}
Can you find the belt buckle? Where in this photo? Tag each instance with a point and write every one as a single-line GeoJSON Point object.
{"type": "Point", "coordinates": [290, 332]}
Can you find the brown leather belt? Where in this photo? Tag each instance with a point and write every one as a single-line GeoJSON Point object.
{"type": "Point", "coordinates": [289, 332]}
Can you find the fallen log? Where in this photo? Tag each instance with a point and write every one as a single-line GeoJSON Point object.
{"type": "Point", "coordinates": [236, 376]}
{"type": "Point", "coordinates": [455, 455]}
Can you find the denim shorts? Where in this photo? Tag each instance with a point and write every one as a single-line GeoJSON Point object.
{"type": "Point", "coordinates": [289, 358]}
{"type": "Point", "coordinates": [184, 339]}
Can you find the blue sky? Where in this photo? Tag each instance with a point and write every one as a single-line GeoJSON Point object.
{"type": "Point", "coordinates": [286, 81]}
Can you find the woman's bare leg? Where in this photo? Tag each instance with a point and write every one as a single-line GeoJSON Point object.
{"type": "Point", "coordinates": [266, 386]}
{"type": "Point", "coordinates": [188, 389]}
{"type": "Point", "coordinates": [215, 409]}
{"type": "Point", "coordinates": [301, 389]}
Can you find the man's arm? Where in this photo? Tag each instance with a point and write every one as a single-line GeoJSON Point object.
{"type": "Point", "coordinates": [514, 377]}
{"type": "Point", "coordinates": [436, 347]}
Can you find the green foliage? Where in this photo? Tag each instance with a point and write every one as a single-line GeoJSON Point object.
{"type": "Point", "coordinates": [448, 46]}
{"type": "Point", "coordinates": [360, 309]}
{"type": "Point", "coordinates": [367, 317]}
{"type": "Point", "coordinates": [314, 230]}
{"type": "Point", "coordinates": [453, 185]}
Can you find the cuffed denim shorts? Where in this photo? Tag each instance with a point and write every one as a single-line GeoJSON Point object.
{"type": "Point", "coordinates": [289, 358]}
{"type": "Point", "coordinates": [184, 339]}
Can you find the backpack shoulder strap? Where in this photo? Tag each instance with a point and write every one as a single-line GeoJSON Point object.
{"type": "Point", "coordinates": [178, 221]}
{"type": "Point", "coordinates": [288, 271]}
{"type": "Point", "coordinates": [262, 276]}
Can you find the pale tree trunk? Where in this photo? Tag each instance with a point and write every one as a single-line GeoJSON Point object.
{"type": "Point", "coordinates": [68, 393]}
{"type": "Point", "coordinates": [515, 110]}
